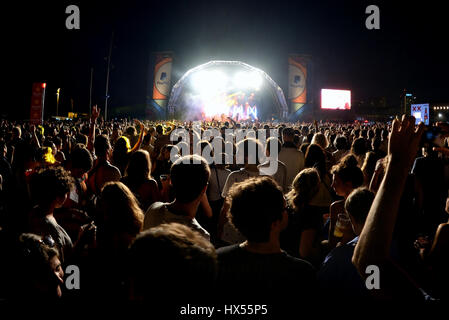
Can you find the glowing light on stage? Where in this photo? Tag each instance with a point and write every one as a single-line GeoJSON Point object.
{"type": "Point", "coordinates": [222, 95]}
{"type": "Point", "coordinates": [251, 80]}
{"type": "Point", "coordinates": [226, 89]}
{"type": "Point", "coordinates": [209, 82]}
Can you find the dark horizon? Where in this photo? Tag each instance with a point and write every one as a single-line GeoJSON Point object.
{"type": "Point", "coordinates": [407, 52]}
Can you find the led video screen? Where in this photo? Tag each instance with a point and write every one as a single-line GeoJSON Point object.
{"type": "Point", "coordinates": [335, 99]}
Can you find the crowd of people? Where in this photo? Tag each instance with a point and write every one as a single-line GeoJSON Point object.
{"type": "Point", "coordinates": [142, 225]}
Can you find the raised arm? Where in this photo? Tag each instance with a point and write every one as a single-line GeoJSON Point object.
{"type": "Point", "coordinates": [139, 141]}
{"type": "Point", "coordinates": [34, 138]}
{"type": "Point", "coordinates": [373, 247]}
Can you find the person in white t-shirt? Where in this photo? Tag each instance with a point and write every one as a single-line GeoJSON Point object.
{"type": "Point", "coordinates": [189, 177]}
{"type": "Point", "coordinates": [227, 232]}
{"type": "Point", "coordinates": [280, 176]}
{"type": "Point", "coordinates": [290, 155]}
{"type": "Point", "coordinates": [218, 176]}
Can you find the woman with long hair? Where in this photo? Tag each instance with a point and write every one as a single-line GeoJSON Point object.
{"type": "Point", "coordinates": [302, 237]}
{"type": "Point", "coordinates": [119, 220]}
{"type": "Point", "coordinates": [139, 180]}
{"type": "Point", "coordinates": [120, 217]}
{"type": "Point", "coordinates": [315, 157]}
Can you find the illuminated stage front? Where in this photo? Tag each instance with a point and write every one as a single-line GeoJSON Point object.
{"type": "Point", "coordinates": [222, 89]}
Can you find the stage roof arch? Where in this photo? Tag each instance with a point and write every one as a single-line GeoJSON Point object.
{"type": "Point", "coordinates": [276, 90]}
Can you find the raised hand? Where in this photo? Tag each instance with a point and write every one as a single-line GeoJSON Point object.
{"type": "Point", "coordinates": [95, 112]}
{"type": "Point", "coordinates": [404, 140]}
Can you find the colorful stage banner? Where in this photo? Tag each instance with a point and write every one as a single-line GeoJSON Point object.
{"type": "Point", "coordinates": [37, 103]}
{"type": "Point", "coordinates": [297, 81]}
{"type": "Point", "coordinates": [162, 78]}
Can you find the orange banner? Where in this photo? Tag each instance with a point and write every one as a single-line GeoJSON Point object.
{"type": "Point", "coordinates": [297, 79]}
{"type": "Point", "coordinates": [162, 77]}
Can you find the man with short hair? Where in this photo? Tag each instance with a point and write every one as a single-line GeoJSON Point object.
{"type": "Point", "coordinates": [103, 171]}
{"type": "Point", "coordinates": [50, 188]}
{"type": "Point", "coordinates": [290, 155]}
{"type": "Point", "coordinates": [189, 179]}
{"type": "Point", "coordinates": [226, 231]}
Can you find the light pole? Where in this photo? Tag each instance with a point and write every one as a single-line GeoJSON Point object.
{"type": "Point", "coordinates": [57, 101]}
{"type": "Point", "coordinates": [107, 79]}
{"type": "Point", "coordinates": [90, 91]}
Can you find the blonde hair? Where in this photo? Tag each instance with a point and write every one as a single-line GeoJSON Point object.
{"type": "Point", "coordinates": [304, 187]}
{"type": "Point", "coordinates": [320, 139]}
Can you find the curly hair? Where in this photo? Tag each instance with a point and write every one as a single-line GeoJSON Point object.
{"type": "Point", "coordinates": [33, 275]}
{"type": "Point", "coordinates": [48, 184]}
{"type": "Point", "coordinates": [348, 171]}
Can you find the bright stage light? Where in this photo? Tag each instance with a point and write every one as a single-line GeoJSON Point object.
{"type": "Point", "coordinates": [247, 80]}
{"type": "Point", "coordinates": [209, 82]}
{"type": "Point", "coordinates": [218, 92]}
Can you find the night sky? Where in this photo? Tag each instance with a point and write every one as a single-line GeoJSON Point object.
{"type": "Point", "coordinates": [409, 51]}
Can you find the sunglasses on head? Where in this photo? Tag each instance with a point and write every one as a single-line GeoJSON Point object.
{"type": "Point", "coordinates": [48, 240]}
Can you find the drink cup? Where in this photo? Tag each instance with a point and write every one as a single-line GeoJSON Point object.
{"type": "Point", "coordinates": [343, 224]}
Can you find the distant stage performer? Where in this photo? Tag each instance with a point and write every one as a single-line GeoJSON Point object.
{"type": "Point", "coordinates": [237, 111]}
{"type": "Point", "coordinates": [252, 112]}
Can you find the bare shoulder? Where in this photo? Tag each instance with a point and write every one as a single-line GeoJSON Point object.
{"type": "Point", "coordinates": [337, 204]}
{"type": "Point", "coordinates": [112, 170]}
{"type": "Point", "coordinates": [150, 184]}
{"type": "Point", "coordinates": [443, 230]}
